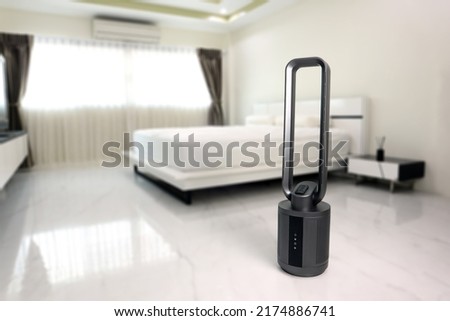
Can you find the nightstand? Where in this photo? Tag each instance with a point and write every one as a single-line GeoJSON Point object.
{"type": "Point", "coordinates": [394, 170]}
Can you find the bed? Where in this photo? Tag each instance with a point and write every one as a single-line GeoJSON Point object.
{"type": "Point", "coordinates": [182, 160]}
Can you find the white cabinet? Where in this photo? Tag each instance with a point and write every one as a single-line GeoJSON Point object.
{"type": "Point", "coordinates": [13, 151]}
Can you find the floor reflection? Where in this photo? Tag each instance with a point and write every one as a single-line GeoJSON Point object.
{"type": "Point", "coordinates": [69, 254]}
{"type": "Point", "coordinates": [390, 208]}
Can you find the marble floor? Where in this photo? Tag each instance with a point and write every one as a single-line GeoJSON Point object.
{"type": "Point", "coordinates": [105, 234]}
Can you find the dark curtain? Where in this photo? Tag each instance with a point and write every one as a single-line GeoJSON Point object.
{"type": "Point", "coordinates": [211, 62]}
{"type": "Point", "coordinates": [17, 50]}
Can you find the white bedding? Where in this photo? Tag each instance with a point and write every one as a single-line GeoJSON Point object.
{"type": "Point", "coordinates": [232, 140]}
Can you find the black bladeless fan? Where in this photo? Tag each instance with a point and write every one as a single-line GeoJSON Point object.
{"type": "Point", "coordinates": [303, 219]}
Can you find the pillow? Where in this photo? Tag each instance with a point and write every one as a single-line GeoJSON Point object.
{"type": "Point", "coordinates": [259, 120]}
{"type": "Point", "coordinates": [300, 121]}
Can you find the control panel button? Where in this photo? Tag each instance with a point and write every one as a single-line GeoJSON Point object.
{"type": "Point", "coordinates": [301, 190]}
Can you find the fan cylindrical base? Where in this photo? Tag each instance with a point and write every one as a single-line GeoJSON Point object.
{"type": "Point", "coordinates": [303, 239]}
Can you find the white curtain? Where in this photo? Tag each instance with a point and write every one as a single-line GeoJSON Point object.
{"type": "Point", "coordinates": [82, 94]}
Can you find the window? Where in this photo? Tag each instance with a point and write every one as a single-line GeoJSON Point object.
{"type": "Point", "coordinates": [76, 74]}
{"type": "Point", "coordinates": [81, 94]}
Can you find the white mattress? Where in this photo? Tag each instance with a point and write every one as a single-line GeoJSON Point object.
{"type": "Point", "coordinates": [226, 137]}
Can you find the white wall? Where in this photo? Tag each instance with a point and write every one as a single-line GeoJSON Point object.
{"type": "Point", "coordinates": [397, 53]}
{"type": "Point", "coordinates": [16, 21]}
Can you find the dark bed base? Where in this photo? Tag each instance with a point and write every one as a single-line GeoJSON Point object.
{"type": "Point", "coordinates": [184, 196]}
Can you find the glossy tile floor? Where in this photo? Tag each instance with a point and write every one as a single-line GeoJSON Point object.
{"type": "Point", "coordinates": [104, 234]}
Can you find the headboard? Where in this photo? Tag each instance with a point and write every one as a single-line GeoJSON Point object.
{"type": "Point", "coordinates": [350, 114]}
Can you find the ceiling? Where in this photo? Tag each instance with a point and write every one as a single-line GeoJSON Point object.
{"type": "Point", "coordinates": [213, 15]}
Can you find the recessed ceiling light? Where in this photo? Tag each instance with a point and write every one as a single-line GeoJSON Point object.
{"type": "Point", "coordinates": [223, 10]}
{"type": "Point", "coordinates": [217, 19]}
{"type": "Point", "coordinates": [237, 16]}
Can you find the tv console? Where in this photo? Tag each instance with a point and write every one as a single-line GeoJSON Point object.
{"type": "Point", "coordinates": [13, 151]}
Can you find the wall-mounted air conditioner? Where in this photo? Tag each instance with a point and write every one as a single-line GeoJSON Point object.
{"type": "Point", "coordinates": [125, 30]}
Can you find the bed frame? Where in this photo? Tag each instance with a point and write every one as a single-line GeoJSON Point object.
{"type": "Point", "coordinates": [347, 113]}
